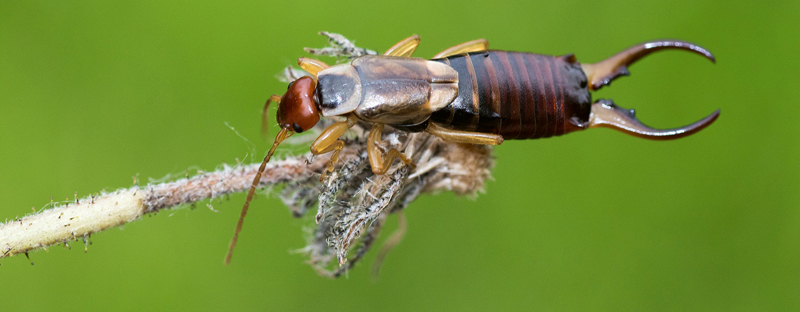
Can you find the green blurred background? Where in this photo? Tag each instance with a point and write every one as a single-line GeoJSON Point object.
{"type": "Point", "coordinates": [95, 92]}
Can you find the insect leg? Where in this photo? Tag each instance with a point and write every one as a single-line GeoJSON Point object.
{"type": "Point", "coordinates": [476, 45]}
{"type": "Point", "coordinates": [380, 162]}
{"type": "Point", "coordinates": [329, 141]}
{"type": "Point", "coordinates": [404, 48]}
{"type": "Point", "coordinates": [458, 136]}
{"type": "Point", "coordinates": [274, 98]}
{"type": "Point", "coordinates": [312, 66]}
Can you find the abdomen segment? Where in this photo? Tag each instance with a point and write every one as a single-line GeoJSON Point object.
{"type": "Point", "coordinates": [516, 95]}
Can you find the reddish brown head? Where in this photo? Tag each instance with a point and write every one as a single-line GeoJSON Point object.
{"type": "Point", "coordinates": [297, 113]}
{"type": "Point", "coordinates": [298, 110]}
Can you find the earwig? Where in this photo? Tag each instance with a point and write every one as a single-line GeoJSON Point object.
{"type": "Point", "coordinates": [464, 94]}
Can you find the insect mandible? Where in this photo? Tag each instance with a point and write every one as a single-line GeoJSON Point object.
{"type": "Point", "coordinates": [465, 94]}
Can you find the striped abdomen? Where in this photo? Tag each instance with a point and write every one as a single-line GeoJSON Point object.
{"type": "Point", "coordinates": [517, 95]}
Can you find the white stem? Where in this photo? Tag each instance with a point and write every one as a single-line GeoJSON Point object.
{"type": "Point", "coordinates": [65, 223]}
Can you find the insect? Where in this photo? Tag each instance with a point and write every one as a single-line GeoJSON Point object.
{"type": "Point", "coordinates": [465, 94]}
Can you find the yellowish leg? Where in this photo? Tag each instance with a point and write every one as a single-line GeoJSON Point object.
{"type": "Point", "coordinates": [476, 45]}
{"type": "Point", "coordinates": [329, 141]}
{"type": "Point", "coordinates": [264, 117]}
{"type": "Point", "coordinates": [404, 48]}
{"type": "Point", "coordinates": [312, 66]}
{"type": "Point", "coordinates": [380, 163]}
{"type": "Point", "coordinates": [458, 136]}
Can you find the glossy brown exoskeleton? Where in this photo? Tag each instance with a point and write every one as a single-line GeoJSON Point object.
{"type": "Point", "coordinates": [465, 94]}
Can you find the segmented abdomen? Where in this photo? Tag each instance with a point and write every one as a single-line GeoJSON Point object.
{"type": "Point", "coordinates": [517, 95]}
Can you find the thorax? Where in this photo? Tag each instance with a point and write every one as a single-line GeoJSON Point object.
{"type": "Point", "coordinates": [386, 89]}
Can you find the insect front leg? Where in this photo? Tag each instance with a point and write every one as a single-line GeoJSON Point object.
{"type": "Point", "coordinates": [329, 141]}
{"type": "Point", "coordinates": [380, 162]}
{"type": "Point", "coordinates": [476, 45]}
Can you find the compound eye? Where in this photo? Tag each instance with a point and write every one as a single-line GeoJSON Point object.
{"type": "Point", "coordinates": [297, 128]}
{"type": "Point", "coordinates": [290, 85]}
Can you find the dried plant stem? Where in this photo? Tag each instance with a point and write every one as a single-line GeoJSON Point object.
{"type": "Point", "coordinates": [442, 166]}
{"type": "Point", "coordinates": [70, 222]}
